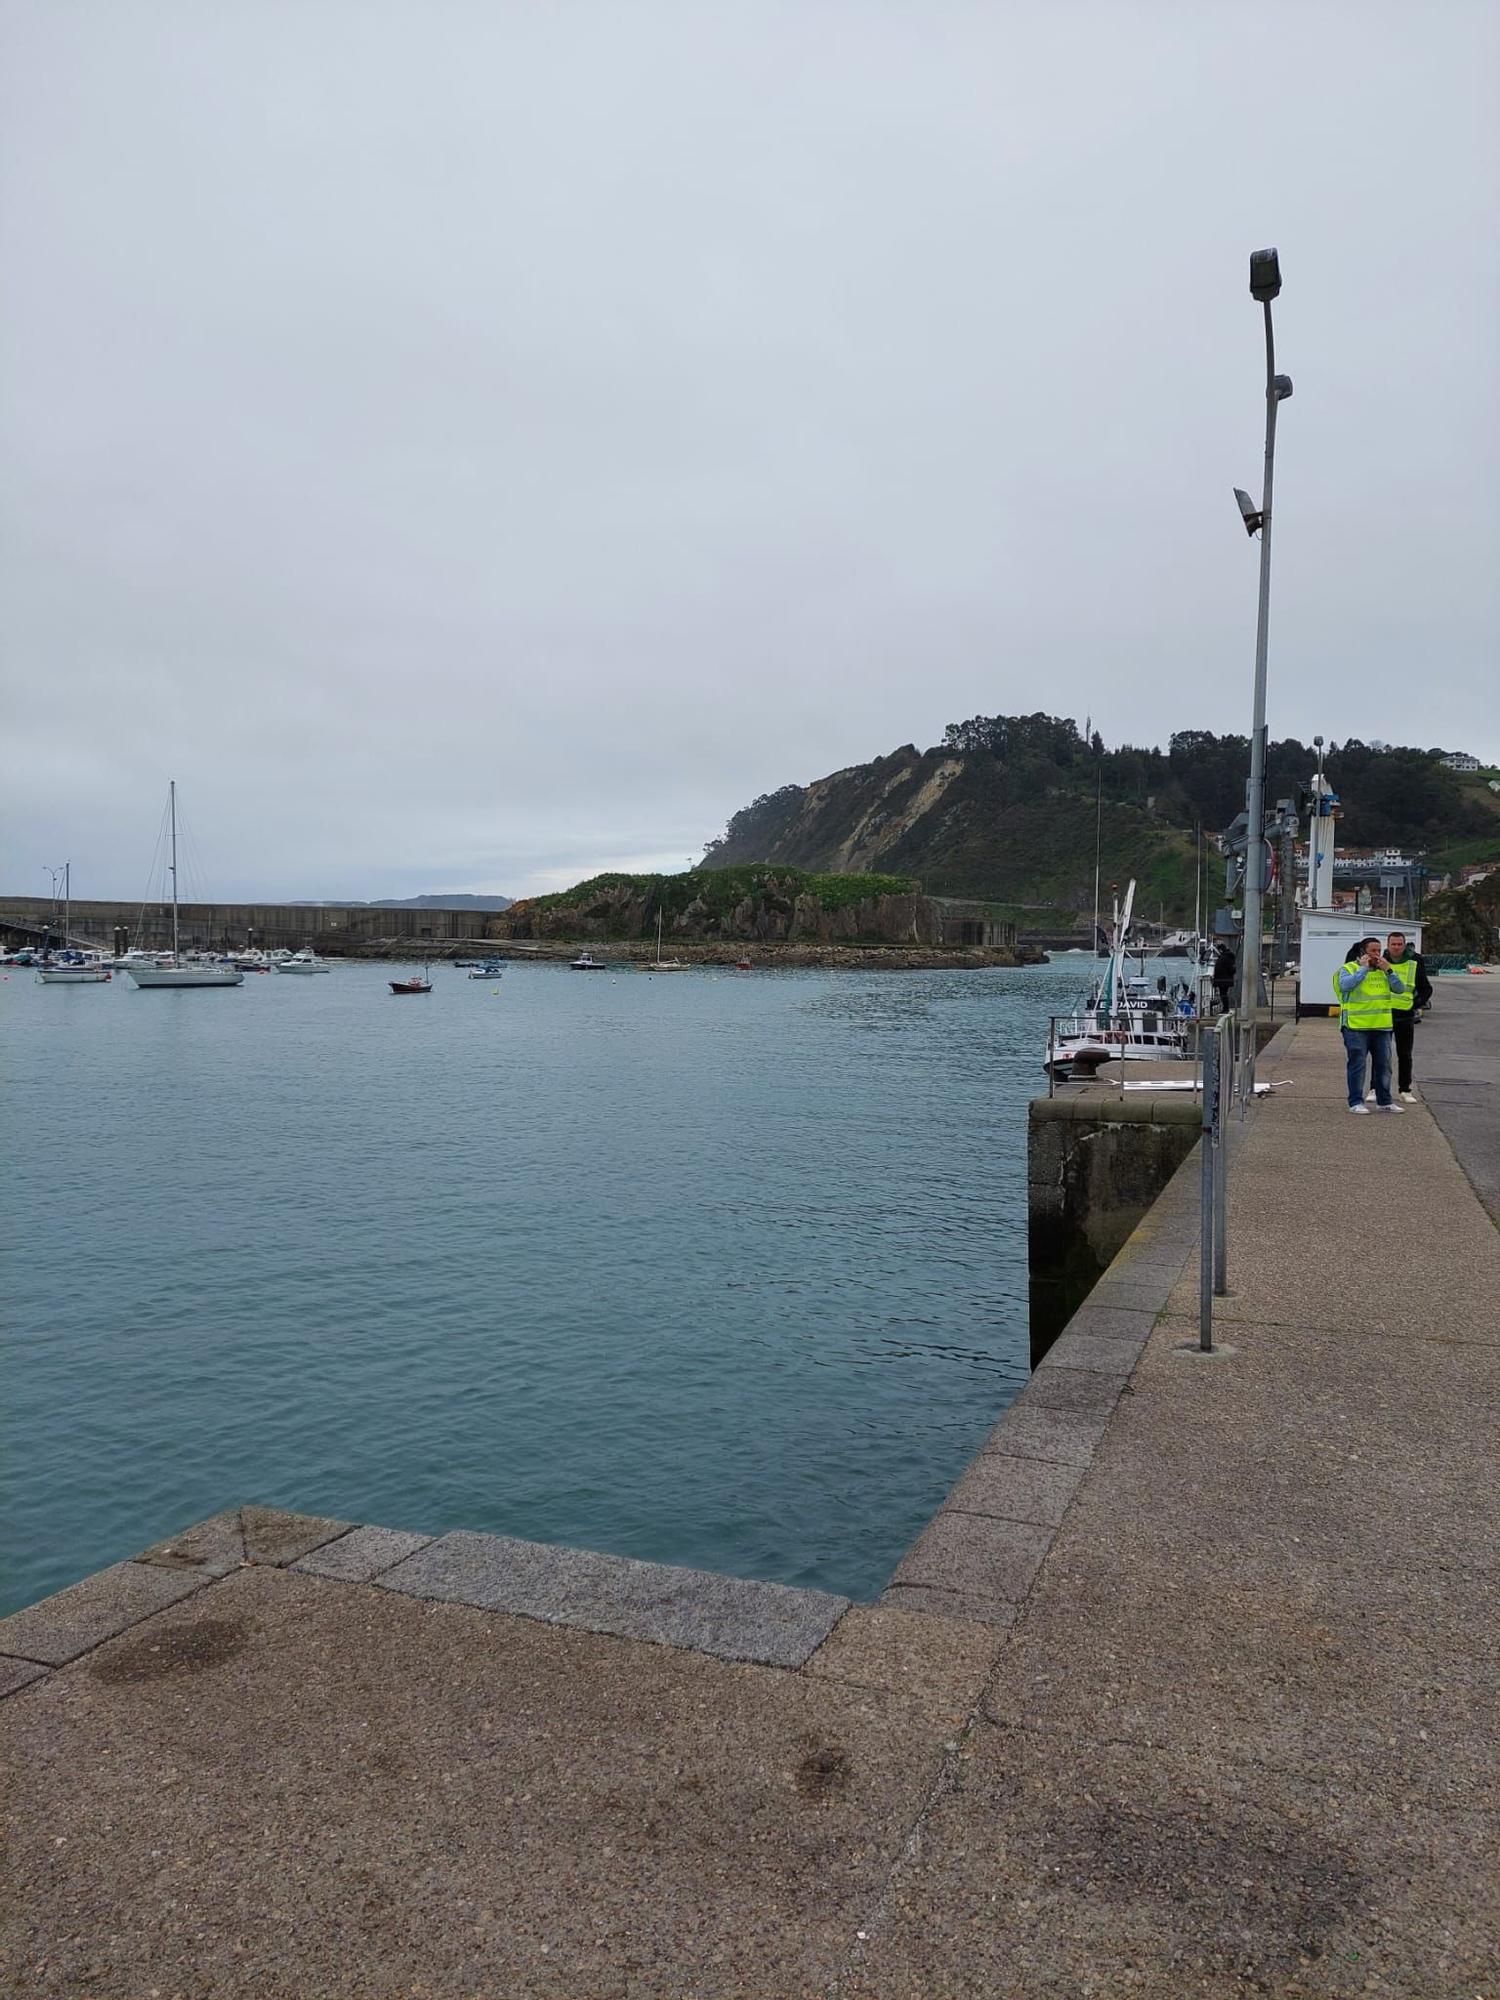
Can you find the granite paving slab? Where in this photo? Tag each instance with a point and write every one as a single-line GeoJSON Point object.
{"type": "Point", "coordinates": [1056, 1437]}
{"type": "Point", "coordinates": [1015, 1489]}
{"type": "Point", "coordinates": [983, 1560]}
{"type": "Point", "coordinates": [362, 1554]}
{"type": "Point", "coordinates": [924, 1600]}
{"type": "Point", "coordinates": [1112, 1359]}
{"type": "Point", "coordinates": [942, 1662]}
{"type": "Point", "coordinates": [723, 1615]}
{"type": "Point", "coordinates": [74, 1620]}
{"type": "Point", "coordinates": [1098, 1320]}
{"type": "Point", "coordinates": [274, 1536]}
{"type": "Point", "coordinates": [16, 1674]}
{"type": "Point", "coordinates": [214, 1546]}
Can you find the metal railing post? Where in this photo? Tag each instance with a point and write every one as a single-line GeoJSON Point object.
{"type": "Point", "coordinates": [1210, 1120]}
{"type": "Point", "coordinates": [1221, 1160]}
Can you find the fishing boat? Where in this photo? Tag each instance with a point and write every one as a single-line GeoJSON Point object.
{"type": "Point", "coordinates": [420, 984]}
{"type": "Point", "coordinates": [586, 962]}
{"type": "Point", "coordinates": [178, 972]}
{"type": "Point", "coordinates": [306, 960]}
{"type": "Point", "coordinates": [1122, 1019]}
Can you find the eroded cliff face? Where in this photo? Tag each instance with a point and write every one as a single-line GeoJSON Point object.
{"type": "Point", "coordinates": [780, 912]}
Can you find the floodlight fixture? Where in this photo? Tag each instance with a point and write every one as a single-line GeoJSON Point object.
{"type": "Point", "coordinates": [1250, 514]}
{"type": "Point", "coordinates": [1265, 275]}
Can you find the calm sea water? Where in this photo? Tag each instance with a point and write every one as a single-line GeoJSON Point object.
{"type": "Point", "coordinates": [717, 1269]}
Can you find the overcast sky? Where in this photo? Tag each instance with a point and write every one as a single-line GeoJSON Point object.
{"type": "Point", "coordinates": [471, 443]}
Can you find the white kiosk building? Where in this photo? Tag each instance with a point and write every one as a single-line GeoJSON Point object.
{"type": "Point", "coordinates": [1329, 935]}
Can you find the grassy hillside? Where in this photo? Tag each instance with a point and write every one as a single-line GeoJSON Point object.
{"type": "Point", "coordinates": [1004, 810]}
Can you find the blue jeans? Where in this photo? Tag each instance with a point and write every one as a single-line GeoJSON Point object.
{"type": "Point", "coordinates": [1374, 1043]}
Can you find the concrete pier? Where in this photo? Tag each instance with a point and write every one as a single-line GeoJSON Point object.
{"type": "Point", "coordinates": [1189, 1689]}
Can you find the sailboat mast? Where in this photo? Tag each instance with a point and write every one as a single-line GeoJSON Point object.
{"type": "Point", "coordinates": [67, 901]}
{"type": "Point", "coordinates": [1098, 835]}
{"type": "Point", "coordinates": [172, 803]}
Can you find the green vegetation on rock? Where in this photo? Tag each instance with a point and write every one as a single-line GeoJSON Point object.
{"type": "Point", "coordinates": [722, 889]}
{"type": "Point", "coordinates": [1004, 810]}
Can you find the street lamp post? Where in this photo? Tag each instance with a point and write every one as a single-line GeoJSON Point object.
{"type": "Point", "coordinates": [1265, 283]}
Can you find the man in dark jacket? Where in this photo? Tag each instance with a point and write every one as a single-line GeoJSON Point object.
{"type": "Point", "coordinates": [1405, 1008]}
{"type": "Point", "coordinates": [1225, 967]}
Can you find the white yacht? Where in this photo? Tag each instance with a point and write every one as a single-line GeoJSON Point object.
{"type": "Point", "coordinates": [176, 972]}
{"type": "Point", "coordinates": [306, 960]}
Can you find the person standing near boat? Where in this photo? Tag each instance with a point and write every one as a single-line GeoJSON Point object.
{"type": "Point", "coordinates": [1225, 967]}
{"type": "Point", "coordinates": [1366, 986]}
{"type": "Point", "coordinates": [1406, 1006]}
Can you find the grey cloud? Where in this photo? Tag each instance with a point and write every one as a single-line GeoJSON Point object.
{"type": "Point", "coordinates": [469, 445]}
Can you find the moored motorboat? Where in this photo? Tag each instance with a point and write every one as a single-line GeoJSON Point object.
{"type": "Point", "coordinates": [306, 960]}
{"type": "Point", "coordinates": [491, 969]}
{"type": "Point", "coordinates": [421, 984]}
{"type": "Point", "coordinates": [586, 962]}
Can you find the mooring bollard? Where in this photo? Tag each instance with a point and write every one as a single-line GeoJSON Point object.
{"type": "Point", "coordinates": [1207, 1182]}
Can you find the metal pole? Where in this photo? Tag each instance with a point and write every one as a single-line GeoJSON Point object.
{"type": "Point", "coordinates": [1206, 1195]}
{"type": "Point", "coordinates": [172, 804]}
{"type": "Point", "coordinates": [1255, 813]}
{"type": "Point", "coordinates": [1225, 1072]}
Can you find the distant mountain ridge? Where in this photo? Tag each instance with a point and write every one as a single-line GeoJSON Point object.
{"type": "Point", "coordinates": [1004, 809]}
{"type": "Point", "coordinates": [434, 902]}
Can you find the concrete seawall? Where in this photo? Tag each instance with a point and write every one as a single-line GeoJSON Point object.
{"type": "Point", "coordinates": [1096, 1161]}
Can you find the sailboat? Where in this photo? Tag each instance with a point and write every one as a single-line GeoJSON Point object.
{"type": "Point", "coordinates": [72, 968]}
{"type": "Point", "coordinates": [175, 973]}
{"type": "Point", "coordinates": [664, 964]}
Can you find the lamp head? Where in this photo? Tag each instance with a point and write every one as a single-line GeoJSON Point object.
{"type": "Point", "coordinates": [1250, 514]}
{"type": "Point", "coordinates": [1265, 275]}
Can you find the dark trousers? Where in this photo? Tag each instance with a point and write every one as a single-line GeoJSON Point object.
{"type": "Point", "coordinates": [1404, 1028]}
{"type": "Point", "coordinates": [1223, 993]}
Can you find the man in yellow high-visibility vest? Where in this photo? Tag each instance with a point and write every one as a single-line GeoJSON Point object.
{"type": "Point", "coordinates": [1364, 986]}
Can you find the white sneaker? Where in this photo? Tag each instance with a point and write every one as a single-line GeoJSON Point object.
{"type": "Point", "coordinates": [1362, 1109]}
{"type": "Point", "coordinates": [1408, 1097]}
{"type": "Point", "coordinates": [1389, 1107]}
{"type": "Point", "coordinates": [1369, 1097]}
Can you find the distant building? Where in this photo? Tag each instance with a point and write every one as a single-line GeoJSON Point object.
{"type": "Point", "coordinates": [1460, 760]}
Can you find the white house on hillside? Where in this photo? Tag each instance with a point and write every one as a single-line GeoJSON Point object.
{"type": "Point", "coordinates": [1460, 760]}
